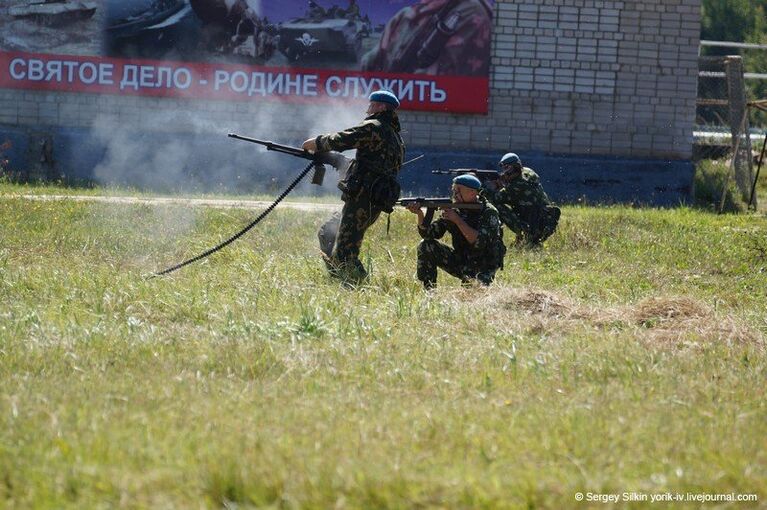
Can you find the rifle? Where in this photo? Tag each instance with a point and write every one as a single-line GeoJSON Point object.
{"type": "Point", "coordinates": [432, 204]}
{"type": "Point", "coordinates": [423, 51]}
{"type": "Point", "coordinates": [482, 175]}
{"type": "Point", "coordinates": [335, 159]}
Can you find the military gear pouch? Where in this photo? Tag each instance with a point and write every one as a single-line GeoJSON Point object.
{"type": "Point", "coordinates": [351, 185]}
{"type": "Point", "coordinates": [384, 192]}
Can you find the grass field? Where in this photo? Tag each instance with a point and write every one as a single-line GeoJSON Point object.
{"type": "Point", "coordinates": [628, 355]}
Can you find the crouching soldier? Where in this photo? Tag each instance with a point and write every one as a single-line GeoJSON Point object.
{"type": "Point", "coordinates": [477, 239]}
{"type": "Point", "coordinates": [522, 204]}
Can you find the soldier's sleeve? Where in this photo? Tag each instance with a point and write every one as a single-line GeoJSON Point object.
{"type": "Point", "coordinates": [532, 177]}
{"type": "Point", "coordinates": [490, 194]}
{"type": "Point", "coordinates": [487, 231]}
{"type": "Point", "coordinates": [510, 193]}
{"type": "Point", "coordinates": [351, 138]}
{"type": "Point", "coordinates": [434, 230]}
{"type": "Point", "coordinates": [499, 197]}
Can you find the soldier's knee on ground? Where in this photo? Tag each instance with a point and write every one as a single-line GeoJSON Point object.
{"type": "Point", "coordinates": [486, 278]}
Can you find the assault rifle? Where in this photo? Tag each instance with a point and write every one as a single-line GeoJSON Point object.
{"type": "Point", "coordinates": [335, 159]}
{"type": "Point", "coordinates": [432, 204]}
{"type": "Point", "coordinates": [482, 175]}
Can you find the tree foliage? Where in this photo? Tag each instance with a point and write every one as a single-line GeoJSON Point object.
{"type": "Point", "coordinates": [739, 21]}
{"type": "Point", "coordinates": [728, 20]}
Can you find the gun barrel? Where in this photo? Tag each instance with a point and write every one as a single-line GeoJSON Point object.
{"type": "Point", "coordinates": [249, 139]}
{"type": "Point", "coordinates": [271, 146]}
{"type": "Point", "coordinates": [438, 203]}
{"type": "Point", "coordinates": [482, 174]}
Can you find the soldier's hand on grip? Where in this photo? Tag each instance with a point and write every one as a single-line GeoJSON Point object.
{"type": "Point", "coordinates": [449, 215]}
{"type": "Point", "coordinates": [310, 145]}
{"type": "Point", "coordinates": [413, 208]}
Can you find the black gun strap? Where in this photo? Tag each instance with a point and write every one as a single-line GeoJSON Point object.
{"type": "Point", "coordinates": [429, 216]}
{"type": "Point", "coordinates": [244, 230]}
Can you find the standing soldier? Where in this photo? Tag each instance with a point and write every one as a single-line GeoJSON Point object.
{"type": "Point", "coordinates": [370, 186]}
{"type": "Point", "coordinates": [478, 248]}
{"type": "Point", "coordinates": [443, 37]}
{"type": "Point", "coordinates": [521, 202]}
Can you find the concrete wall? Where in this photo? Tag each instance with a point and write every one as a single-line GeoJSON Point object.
{"type": "Point", "coordinates": [568, 77]}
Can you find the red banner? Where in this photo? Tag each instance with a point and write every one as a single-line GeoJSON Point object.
{"type": "Point", "coordinates": [90, 74]}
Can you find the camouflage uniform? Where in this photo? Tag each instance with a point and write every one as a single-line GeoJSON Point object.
{"type": "Point", "coordinates": [466, 261]}
{"type": "Point", "coordinates": [525, 208]}
{"type": "Point", "coordinates": [380, 151]}
{"type": "Point", "coordinates": [464, 52]}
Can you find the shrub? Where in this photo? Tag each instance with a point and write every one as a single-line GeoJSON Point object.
{"type": "Point", "coordinates": [710, 177]}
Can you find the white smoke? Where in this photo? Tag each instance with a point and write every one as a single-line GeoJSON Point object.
{"type": "Point", "coordinates": [170, 157]}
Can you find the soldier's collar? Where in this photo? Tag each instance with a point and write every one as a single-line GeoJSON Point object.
{"type": "Point", "coordinates": [385, 113]}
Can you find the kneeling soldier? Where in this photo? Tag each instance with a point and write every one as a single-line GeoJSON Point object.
{"type": "Point", "coordinates": [522, 204]}
{"type": "Point", "coordinates": [477, 239]}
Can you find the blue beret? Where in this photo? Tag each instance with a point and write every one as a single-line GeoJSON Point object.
{"type": "Point", "coordinates": [510, 159]}
{"type": "Point", "coordinates": [468, 180]}
{"type": "Point", "coordinates": [384, 96]}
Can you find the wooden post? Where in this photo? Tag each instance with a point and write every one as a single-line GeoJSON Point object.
{"type": "Point", "coordinates": [739, 125]}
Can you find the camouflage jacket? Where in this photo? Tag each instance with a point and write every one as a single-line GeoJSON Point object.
{"type": "Point", "coordinates": [380, 148]}
{"type": "Point", "coordinates": [487, 251]}
{"type": "Point", "coordinates": [524, 196]}
{"type": "Point", "coordinates": [466, 52]}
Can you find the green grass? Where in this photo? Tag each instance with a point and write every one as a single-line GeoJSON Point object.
{"type": "Point", "coordinates": [628, 355]}
{"type": "Point", "coordinates": [708, 184]}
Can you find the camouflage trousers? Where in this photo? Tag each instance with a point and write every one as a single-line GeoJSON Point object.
{"type": "Point", "coordinates": [341, 238]}
{"type": "Point", "coordinates": [537, 230]}
{"type": "Point", "coordinates": [433, 254]}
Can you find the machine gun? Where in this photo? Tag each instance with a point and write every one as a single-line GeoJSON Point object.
{"type": "Point", "coordinates": [432, 204]}
{"type": "Point", "coordinates": [335, 159]}
{"type": "Point", "coordinates": [482, 175]}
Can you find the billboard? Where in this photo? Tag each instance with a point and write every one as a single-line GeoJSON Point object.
{"type": "Point", "coordinates": [434, 54]}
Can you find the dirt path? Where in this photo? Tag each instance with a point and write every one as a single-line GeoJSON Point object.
{"type": "Point", "coordinates": [191, 202]}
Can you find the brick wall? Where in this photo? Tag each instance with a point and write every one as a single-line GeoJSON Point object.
{"type": "Point", "coordinates": [583, 77]}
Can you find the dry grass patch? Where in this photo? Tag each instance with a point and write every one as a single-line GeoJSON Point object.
{"type": "Point", "coordinates": [670, 321]}
{"type": "Point", "coordinates": [674, 320]}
